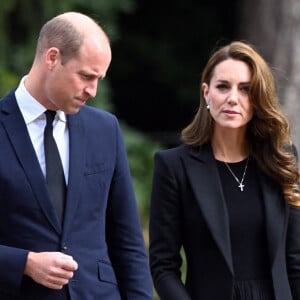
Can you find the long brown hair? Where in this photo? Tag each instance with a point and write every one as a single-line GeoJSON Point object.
{"type": "Point", "coordinates": [268, 132]}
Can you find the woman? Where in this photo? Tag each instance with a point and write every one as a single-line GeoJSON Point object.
{"type": "Point", "coordinates": [229, 195]}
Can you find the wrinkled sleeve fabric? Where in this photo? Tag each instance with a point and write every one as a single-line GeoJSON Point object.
{"type": "Point", "coordinates": [124, 231]}
{"type": "Point", "coordinates": [293, 251]}
{"type": "Point", "coordinates": [12, 264]}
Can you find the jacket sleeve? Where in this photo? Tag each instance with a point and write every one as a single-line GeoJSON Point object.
{"type": "Point", "coordinates": [124, 232]}
{"type": "Point", "coordinates": [293, 246]}
{"type": "Point", "coordinates": [293, 252]}
{"type": "Point", "coordinates": [12, 264]}
{"type": "Point", "coordinates": [166, 234]}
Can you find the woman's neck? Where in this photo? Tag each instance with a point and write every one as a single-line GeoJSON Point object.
{"type": "Point", "coordinates": [230, 147]}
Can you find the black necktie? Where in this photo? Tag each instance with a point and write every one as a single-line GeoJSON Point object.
{"type": "Point", "coordinates": [54, 171]}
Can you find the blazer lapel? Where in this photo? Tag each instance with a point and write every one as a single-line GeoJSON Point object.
{"type": "Point", "coordinates": [275, 212]}
{"type": "Point", "coordinates": [203, 175]}
{"type": "Point", "coordinates": [76, 167]}
{"type": "Point", "coordinates": [17, 132]}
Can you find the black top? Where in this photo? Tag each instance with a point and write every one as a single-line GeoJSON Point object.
{"type": "Point", "coordinates": [247, 223]}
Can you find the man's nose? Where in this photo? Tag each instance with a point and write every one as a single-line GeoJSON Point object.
{"type": "Point", "coordinates": [91, 89]}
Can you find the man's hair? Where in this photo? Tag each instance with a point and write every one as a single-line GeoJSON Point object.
{"type": "Point", "coordinates": [59, 32]}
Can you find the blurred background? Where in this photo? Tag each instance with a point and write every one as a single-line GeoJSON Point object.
{"type": "Point", "coordinates": [159, 49]}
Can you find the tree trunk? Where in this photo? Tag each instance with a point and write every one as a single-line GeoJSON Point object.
{"type": "Point", "coordinates": [273, 27]}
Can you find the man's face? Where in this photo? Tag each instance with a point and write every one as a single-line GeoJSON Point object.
{"type": "Point", "coordinates": [69, 86]}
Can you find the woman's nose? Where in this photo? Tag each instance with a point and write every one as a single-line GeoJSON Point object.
{"type": "Point", "coordinates": [233, 96]}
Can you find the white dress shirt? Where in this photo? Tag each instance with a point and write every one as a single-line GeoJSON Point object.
{"type": "Point", "coordinates": [35, 119]}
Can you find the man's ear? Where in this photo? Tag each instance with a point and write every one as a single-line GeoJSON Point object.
{"type": "Point", "coordinates": [52, 57]}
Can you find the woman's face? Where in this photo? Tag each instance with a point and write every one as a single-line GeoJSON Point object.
{"type": "Point", "coordinates": [227, 94]}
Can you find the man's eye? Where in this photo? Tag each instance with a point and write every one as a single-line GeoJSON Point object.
{"type": "Point", "coordinates": [85, 76]}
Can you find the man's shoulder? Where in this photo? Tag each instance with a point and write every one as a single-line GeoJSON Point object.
{"type": "Point", "coordinates": [92, 113]}
{"type": "Point", "coordinates": [8, 102]}
{"type": "Point", "coordinates": [8, 96]}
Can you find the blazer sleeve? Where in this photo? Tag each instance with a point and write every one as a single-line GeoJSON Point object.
{"type": "Point", "coordinates": [124, 235]}
{"type": "Point", "coordinates": [293, 247]}
{"type": "Point", "coordinates": [165, 230]}
{"type": "Point", "coordinates": [293, 251]}
{"type": "Point", "coordinates": [12, 265]}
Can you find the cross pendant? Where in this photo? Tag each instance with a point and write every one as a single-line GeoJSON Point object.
{"type": "Point", "coordinates": [241, 186]}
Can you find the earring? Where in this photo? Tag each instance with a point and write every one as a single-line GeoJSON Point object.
{"type": "Point", "coordinates": [207, 106]}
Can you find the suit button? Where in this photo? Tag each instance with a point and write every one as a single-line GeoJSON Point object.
{"type": "Point", "coordinates": [65, 247]}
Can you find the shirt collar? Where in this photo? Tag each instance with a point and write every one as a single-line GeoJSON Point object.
{"type": "Point", "coordinates": [31, 109]}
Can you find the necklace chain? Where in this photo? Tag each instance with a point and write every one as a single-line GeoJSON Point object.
{"type": "Point", "coordinates": [241, 185]}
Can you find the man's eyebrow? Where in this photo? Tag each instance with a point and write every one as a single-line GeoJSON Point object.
{"type": "Point", "coordinates": [91, 74]}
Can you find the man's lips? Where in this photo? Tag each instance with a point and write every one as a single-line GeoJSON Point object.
{"type": "Point", "coordinates": [81, 100]}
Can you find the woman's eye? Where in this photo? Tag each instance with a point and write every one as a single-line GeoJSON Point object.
{"type": "Point", "coordinates": [245, 89]}
{"type": "Point", "coordinates": [222, 87]}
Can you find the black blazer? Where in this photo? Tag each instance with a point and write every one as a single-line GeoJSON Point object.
{"type": "Point", "coordinates": [188, 209]}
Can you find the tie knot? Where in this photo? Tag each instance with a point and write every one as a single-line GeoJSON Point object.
{"type": "Point", "coordinates": [50, 114]}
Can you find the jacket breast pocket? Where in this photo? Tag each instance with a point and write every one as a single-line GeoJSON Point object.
{"type": "Point", "coordinates": [95, 188]}
{"type": "Point", "coordinates": [96, 168]}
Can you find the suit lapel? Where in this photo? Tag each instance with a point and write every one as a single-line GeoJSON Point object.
{"type": "Point", "coordinates": [204, 178]}
{"type": "Point", "coordinates": [76, 166]}
{"type": "Point", "coordinates": [17, 132]}
{"type": "Point", "coordinates": [275, 212]}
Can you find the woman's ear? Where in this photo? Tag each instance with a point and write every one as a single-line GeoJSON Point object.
{"type": "Point", "coordinates": [204, 90]}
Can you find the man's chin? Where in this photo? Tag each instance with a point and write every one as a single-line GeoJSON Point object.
{"type": "Point", "coordinates": [72, 111]}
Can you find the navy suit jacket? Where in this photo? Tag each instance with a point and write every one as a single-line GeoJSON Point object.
{"type": "Point", "coordinates": [188, 208]}
{"type": "Point", "coordinates": [101, 228]}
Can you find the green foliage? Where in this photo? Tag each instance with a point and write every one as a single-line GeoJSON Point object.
{"type": "Point", "coordinates": [106, 12]}
{"type": "Point", "coordinates": [140, 154]}
{"type": "Point", "coordinates": [140, 150]}
{"type": "Point", "coordinates": [8, 80]}
{"type": "Point", "coordinates": [20, 22]}
{"type": "Point", "coordinates": [103, 98]}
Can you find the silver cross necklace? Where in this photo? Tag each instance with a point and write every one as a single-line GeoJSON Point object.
{"type": "Point", "coordinates": [241, 185]}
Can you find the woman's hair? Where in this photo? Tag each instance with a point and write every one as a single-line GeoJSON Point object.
{"type": "Point", "coordinates": [59, 32]}
{"type": "Point", "coordinates": [268, 132]}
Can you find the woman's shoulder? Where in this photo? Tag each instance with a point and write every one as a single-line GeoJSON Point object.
{"type": "Point", "coordinates": [173, 151]}
{"type": "Point", "coordinates": [181, 151]}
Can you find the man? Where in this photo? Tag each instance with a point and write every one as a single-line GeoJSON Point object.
{"type": "Point", "coordinates": [95, 250]}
